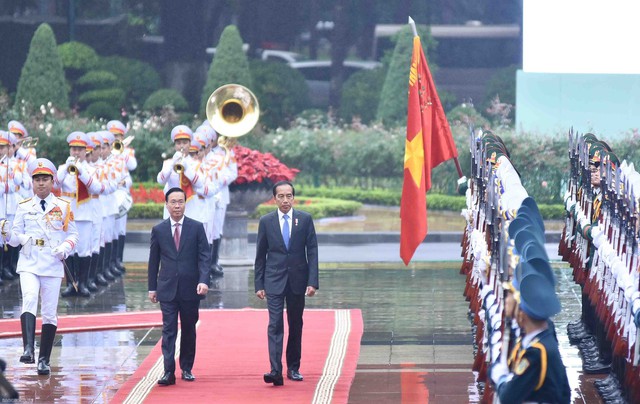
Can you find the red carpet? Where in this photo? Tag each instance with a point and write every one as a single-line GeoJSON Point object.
{"type": "Point", "coordinates": [232, 356]}
{"type": "Point", "coordinates": [10, 328]}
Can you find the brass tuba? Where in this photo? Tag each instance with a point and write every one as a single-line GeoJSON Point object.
{"type": "Point", "coordinates": [232, 111]}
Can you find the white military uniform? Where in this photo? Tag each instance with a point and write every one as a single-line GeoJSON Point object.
{"type": "Point", "coordinates": [46, 237]}
{"type": "Point", "coordinates": [190, 181]}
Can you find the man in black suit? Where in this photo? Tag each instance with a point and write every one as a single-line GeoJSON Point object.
{"type": "Point", "coordinates": [178, 275]}
{"type": "Point", "coordinates": [286, 270]}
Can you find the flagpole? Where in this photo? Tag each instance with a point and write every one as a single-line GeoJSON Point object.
{"type": "Point", "coordinates": [412, 23]}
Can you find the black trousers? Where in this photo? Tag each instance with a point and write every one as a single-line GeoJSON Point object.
{"type": "Point", "coordinates": [275, 331]}
{"type": "Point", "coordinates": [188, 312]}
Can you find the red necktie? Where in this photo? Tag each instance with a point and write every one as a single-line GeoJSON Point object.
{"type": "Point", "coordinates": [176, 236]}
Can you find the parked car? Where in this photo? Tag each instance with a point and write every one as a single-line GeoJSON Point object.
{"type": "Point", "coordinates": [317, 74]}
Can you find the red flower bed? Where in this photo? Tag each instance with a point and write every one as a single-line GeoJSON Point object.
{"type": "Point", "coordinates": [143, 195]}
{"type": "Point", "coordinates": [256, 167]}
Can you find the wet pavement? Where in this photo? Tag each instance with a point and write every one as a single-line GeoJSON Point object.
{"type": "Point", "coordinates": [416, 344]}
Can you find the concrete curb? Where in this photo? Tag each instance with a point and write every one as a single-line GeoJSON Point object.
{"type": "Point", "coordinates": [142, 237]}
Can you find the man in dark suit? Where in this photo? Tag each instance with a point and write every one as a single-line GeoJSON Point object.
{"type": "Point", "coordinates": [178, 275]}
{"type": "Point", "coordinates": [286, 270]}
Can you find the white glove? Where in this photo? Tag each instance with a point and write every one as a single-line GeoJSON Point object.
{"type": "Point", "coordinates": [499, 373]}
{"type": "Point", "coordinates": [59, 252]}
{"type": "Point", "coordinates": [597, 235]}
{"type": "Point", "coordinates": [177, 155]}
{"type": "Point", "coordinates": [462, 180]}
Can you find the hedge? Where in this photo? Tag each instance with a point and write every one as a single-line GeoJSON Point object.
{"type": "Point", "coordinates": [146, 211]}
{"type": "Point", "coordinates": [316, 207]}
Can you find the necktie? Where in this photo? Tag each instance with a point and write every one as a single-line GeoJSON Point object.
{"type": "Point", "coordinates": [42, 203]}
{"type": "Point", "coordinates": [176, 236]}
{"type": "Point", "coordinates": [285, 231]}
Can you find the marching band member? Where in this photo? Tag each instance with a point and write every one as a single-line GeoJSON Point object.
{"type": "Point", "coordinates": [45, 228]}
{"type": "Point", "coordinates": [128, 163]}
{"type": "Point", "coordinates": [228, 174]}
{"type": "Point", "coordinates": [200, 206]}
{"type": "Point", "coordinates": [110, 207]}
{"type": "Point", "coordinates": [77, 184]}
{"type": "Point", "coordinates": [13, 172]}
{"type": "Point", "coordinates": [179, 171]}
{"type": "Point", "coordinates": [20, 132]}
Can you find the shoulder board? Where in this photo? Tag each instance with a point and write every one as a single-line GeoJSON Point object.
{"type": "Point", "coordinates": [63, 200]}
{"type": "Point", "coordinates": [26, 200]}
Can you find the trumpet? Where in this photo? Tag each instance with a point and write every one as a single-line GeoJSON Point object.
{"type": "Point", "coordinates": [29, 142]}
{"type": "Point", "coordinates": [119, 146]}
{"type": "Point", "coordinates": [178, 165]}
{"type": "Point", "coordinates": [72, 169]}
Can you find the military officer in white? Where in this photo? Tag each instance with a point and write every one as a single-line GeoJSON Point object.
{"type": "Point", "coordinates": [11, 179]}
{"type": "Point", "coordinates": [45, 228]}
{"type": "Point", "coordinates": [110, 171]}
{"type": "Point", "coordinates": [77, 184]}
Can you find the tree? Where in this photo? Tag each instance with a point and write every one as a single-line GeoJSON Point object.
{"type": "Point", "coordinates": [393, 99]}
{"type": "Point", "coordinates": [229, 66]}
{"type": "Point", "coordinates": [42, 79]}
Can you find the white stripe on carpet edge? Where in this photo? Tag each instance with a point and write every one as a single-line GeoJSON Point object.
{"type": "Point", "coordinates": [142, 389]}
{"type": "Point", "coordinates": [335, 358]}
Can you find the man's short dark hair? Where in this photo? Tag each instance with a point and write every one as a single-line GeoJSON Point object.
{"type": "Point", "coordinates": [277, 184]}
{"type": "Point", "coordinates": [172, 190]}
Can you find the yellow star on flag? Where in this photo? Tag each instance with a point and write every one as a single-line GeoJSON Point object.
{"type": "Point", "coordinates": [414, 158]}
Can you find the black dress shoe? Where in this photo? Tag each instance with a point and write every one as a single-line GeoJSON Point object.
{"type": "Point", "coordinates": [188, 376]}
{"type": "Point", "coordinates": [274, 377]}
{"type": "Point", "coordinates": [294, 375]}
{"type": "Point", "coordinates": [43, 367]}
{"type": "Point", "coordinates": [168, 379]}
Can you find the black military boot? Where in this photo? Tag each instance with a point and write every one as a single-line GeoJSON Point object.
{"type": "Point", "coordinates": [93, 267]}
{"type": "Point", "coordinates": [71, 263]}
{"type": "Point", "coordinates": [83, 275]}
{"type": "Point", "coordinates": [100, 279]}
{"type": "Point", "coordinates": [106, 261]}
{"type": "Point", "coordinates": [115, 271]}
{"type": "Point", "coordinates": [5, 270]}
{"type": "Point", "coordinates": [28, 323]}
{"type": "Point", "coordinates": [120, 255]}
{"type": "Point", "coordinates": [216, 269]}
{"type": "Point", "coordinates": [46, 345]}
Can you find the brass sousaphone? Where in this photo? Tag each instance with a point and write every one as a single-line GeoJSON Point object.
{"type": "Point", "coordinates": [232, 111]}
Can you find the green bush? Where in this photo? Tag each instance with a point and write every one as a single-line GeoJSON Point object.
{"type": "Point", "coordinates": [146, 211]}
{"type": "Point", "coordinates": [361, 94]}
{"type": "Point", "coordinates": [97, 80]}
{"type": "Point", "coordinates": [316, 207]}
{"type": "Point", "coordinates": [281, 91]}
{"type": "Point", "coordinates": [138, 79]}
{"type": "Point", "coordinates": [503, 85]}
{"type": "Point", "coordinates": [230, 65]}
{"type": "Point", "coordinates": [101, 110]}
{"type": "Point", "coordinates": [466, 115]}
{"type": "Point", "coordinates": [393, 98]}
{"type": "Point", "coordinates": [552, 212]}
{"type": "Point", "coordinates": [112, 96]}
{"type": "Point", "coordinates": [77, 58]}
{"type": "Point", "coordinates": [163, 98]}
{"type": "Point", "coordinates": [42, 78]}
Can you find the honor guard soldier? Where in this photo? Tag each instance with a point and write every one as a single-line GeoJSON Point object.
{"type": "Point", "coordinates": [45, 228]}
{"type": "Point", "coordinates": [200, 206]}
{"type": "Point", "coordinates": [28, 154]}
{"type": "Point", "coordinates": [77, 184]}
{"type": "Point", "coordinates": [127, 156]}
{"type": "Point", "coordinates": [535, 372]}
{"type": "Point", "coordinates": [11, 171]}
{"type": "Point", "coordinates": [179, 171]}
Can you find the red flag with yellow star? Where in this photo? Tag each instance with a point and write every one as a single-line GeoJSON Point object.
{"type": "Point", "coordinates": [429, 143]}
